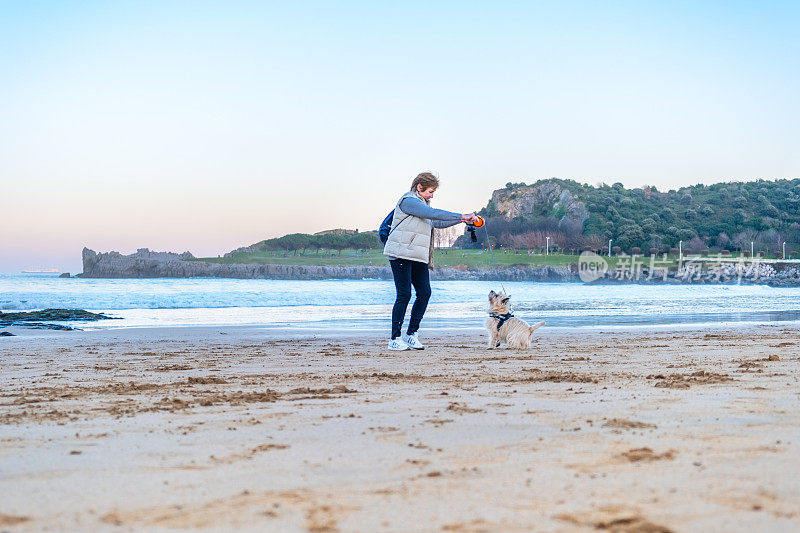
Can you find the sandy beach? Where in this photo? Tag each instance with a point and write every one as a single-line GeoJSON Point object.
{"type": "Point", "coordinates": [240, 427]}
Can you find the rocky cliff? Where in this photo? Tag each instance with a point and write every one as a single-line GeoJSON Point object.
{"type": "Point", "coordinates": [142, 264]}
{"type": "Point", "coordinates": [544, 199]}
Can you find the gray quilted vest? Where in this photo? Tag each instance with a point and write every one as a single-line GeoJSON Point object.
{"type": "Point", "coordinates": [411, 237]}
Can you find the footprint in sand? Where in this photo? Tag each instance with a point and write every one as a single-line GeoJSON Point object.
{"type": "Point", "coordinates": [635, 455]}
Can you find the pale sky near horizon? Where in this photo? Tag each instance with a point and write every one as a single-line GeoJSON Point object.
{"type": "Point", "coordinates": [207, 126]}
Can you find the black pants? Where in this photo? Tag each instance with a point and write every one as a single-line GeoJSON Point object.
{"type": "Point", "coordinates": [407, 273]}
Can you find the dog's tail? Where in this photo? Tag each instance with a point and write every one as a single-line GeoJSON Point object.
{"type": "Point", "coordinates": [535, 327]}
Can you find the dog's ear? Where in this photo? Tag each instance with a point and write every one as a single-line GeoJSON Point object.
{"type": "Point", "coordinates": [492, 295]}
{"type": "Point", "coordinates": [506, 299]}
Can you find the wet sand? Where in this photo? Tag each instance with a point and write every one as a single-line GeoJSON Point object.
{"type": "Point", "coordinates": [223, 428]}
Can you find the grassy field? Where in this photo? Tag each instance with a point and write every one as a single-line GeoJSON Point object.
{"type": "Point", "coordinates": [443, 258]}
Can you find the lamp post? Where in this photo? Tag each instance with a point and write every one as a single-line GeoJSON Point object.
{"type": "Point", "coordinates": [784, 249]}
{"type": "Point", "coordinates": [751, 250]}
{"type": "Point", "coordinates": [609, 247]}
{"type": "Point", "coordinates": [680, 251]}
{"type": "Point", "coordinates": [547, 250]}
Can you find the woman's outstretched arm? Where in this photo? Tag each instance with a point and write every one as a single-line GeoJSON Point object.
{"type": "Point", "coordinates": [440, 217]}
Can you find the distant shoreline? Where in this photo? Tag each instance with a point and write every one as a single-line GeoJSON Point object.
{"type": "Point", "coordinates": [147, 264]}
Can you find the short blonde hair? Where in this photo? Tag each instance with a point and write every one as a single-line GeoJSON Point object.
{"type": "Point", "coordinates": [426, 179]}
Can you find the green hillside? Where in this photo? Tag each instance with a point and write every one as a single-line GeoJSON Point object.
{"type": "Point", "coordinates": [722, 216]}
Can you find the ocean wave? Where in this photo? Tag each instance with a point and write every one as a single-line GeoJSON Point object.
{"type": "Point", "coordinates": [231, 301]}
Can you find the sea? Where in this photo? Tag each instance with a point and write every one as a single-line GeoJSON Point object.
{"type": "Point", "coordinates": [365, 305]}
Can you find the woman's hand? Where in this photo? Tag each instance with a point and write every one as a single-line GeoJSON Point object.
{"type": "Point", "coordinates": [469, 218]}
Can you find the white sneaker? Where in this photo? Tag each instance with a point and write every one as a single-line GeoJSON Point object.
{"type": "Point", "coordinates": [397, 345]}
{"type": "Point", "coordinates": [413, 342]}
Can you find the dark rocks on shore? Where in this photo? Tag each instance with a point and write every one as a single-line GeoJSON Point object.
{"type": "Point", "coordinates": [44, 325]}
{"type": "Point", "coordinates": [52, 314]}
{"type": "Point", "coordinates": [65, 275]}
{"type": "Point", "coordinates": [6, 334]}
{"type": "Point", "coordinates": [35, 319]}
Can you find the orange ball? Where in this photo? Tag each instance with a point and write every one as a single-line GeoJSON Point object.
{"type": "Point", "coordinates": [479, 223]}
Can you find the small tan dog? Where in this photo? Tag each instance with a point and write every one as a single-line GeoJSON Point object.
{"type": "Point", "coordinates": [503, 327]}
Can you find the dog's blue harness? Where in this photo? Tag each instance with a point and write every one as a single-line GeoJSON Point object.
{"type": "Point", "coordinates": [501, 319]}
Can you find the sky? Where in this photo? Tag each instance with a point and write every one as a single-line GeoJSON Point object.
{"type": "Point", "coordinates": [206, 126]}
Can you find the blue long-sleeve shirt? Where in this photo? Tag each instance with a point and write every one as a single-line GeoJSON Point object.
{"type": "Point", "coordinates": [439, 217]}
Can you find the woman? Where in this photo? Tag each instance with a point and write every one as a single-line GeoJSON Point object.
{"type": "Point", "coordinates": [410, 252]}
